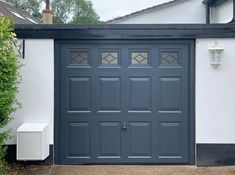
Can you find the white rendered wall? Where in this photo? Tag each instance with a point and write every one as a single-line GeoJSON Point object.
{"type": "Point", "coordinates": [222, 13]}
{"type": "Point", "coordinates": [187, 11]}
{"type": "Point", "coordinates": [215, 94]}
{"type": "Point", "coordinates": [36, 91]}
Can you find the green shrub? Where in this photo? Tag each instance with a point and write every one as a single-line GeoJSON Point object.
{"type": "Point", "coordinates": [9, 80]}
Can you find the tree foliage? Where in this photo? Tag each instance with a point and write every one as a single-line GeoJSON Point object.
{"type": "Point", "coordinates": [74, 11]}
{"type": "Point", "coordinates": [9, 80]}
{"type": "Point", "coordinates": [64, 11]}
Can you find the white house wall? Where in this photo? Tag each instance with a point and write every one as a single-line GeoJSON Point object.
{"type": "Point", "coordinates": [189, 11]}
{"type": "Point", "coordinates": [215, 93]}
{"type": "Point", "coordinates": [222, 13]}
{"type": "Point", "coordinates": [36, 91]}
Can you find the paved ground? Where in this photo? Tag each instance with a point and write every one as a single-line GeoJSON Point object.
{"type": "Point", "coordinates": [123, 170]}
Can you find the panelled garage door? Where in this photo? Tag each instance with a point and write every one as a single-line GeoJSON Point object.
{"type": "Point", "coordinates": [124, 102]}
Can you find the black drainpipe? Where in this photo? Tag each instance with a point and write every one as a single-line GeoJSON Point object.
{"type": "Point", "coordinates": [233, 20]}
{"type": "Point", "coordinates": [208, 13]}
{"type": "Point", "coordinates": [207, 4]}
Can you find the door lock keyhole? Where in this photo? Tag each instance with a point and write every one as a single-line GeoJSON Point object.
{"type": "Point", "coordinates": [124, 128]}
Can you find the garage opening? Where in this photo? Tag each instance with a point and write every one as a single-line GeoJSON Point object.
{"type": "Point", "coordinates": [124, 101]}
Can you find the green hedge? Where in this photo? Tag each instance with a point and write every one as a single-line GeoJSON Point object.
{"type": "Point", "coordinates": [9, 81]}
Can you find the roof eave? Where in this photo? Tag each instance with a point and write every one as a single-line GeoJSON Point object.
{"type": "Point", "coordinates": [125, 31]}
{"type": "Point", "coordinates": [214, 3]}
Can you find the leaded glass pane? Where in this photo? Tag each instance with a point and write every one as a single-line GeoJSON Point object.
{"type": "Point", "coordinates": [79, 57]}
{"type": "Point", "coordinates": [139, 57]}
{"type": "Point", "coordinates": [170, 57]}
{"type": "Point", "coordinates": [109, 57]}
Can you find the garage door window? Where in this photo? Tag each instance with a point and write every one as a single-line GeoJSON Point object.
{"type": "Point", "coordinates": [109, 57]}
{"type": "Point", "coordinates": [139, 57]}
{"type": "Point", "coordinates": [169, 57]}
{"type": "Point", "coordinates": [79, 57]}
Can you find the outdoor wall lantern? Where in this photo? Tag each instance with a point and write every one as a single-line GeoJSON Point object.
{"type": "Point", "coordinates": [215, 52]}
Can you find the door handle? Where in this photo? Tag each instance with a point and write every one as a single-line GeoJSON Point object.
{"type": "Point", "coordinates": [124, 128]}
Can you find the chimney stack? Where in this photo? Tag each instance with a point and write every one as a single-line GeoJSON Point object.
{"type": "Point", "coordinates": [47, 14]}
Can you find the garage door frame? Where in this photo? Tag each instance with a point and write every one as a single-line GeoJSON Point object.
{"type": "Point", "coordinates": [57, 93]}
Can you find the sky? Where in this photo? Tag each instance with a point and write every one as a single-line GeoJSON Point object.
{"type": "Point", "coordinates": [109, 9]}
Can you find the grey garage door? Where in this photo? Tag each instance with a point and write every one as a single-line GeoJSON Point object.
{"type": "Point", "coordinates": [124, 102]}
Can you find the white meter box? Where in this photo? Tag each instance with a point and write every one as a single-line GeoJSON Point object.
{"type": "Point", "coordinates": [33, 141]}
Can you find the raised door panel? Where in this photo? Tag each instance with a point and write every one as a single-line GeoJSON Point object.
{"type": "Point", "coordinates": [170, 140]}
{"type": "Point", "coordinates": [79, 94]}
{"type": "Point", "coordinates": [170, 93]}
{"type": "Point", "coordinates": [109, 94]}
{"type": "Point", "coordinates": [109, 140]}
{"type": "Point", "coordinates": [79, 140]}
{"type": "Point", "coordinates": [140, 140]}
{"type": "Point", "coordinates": [140, 96]}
